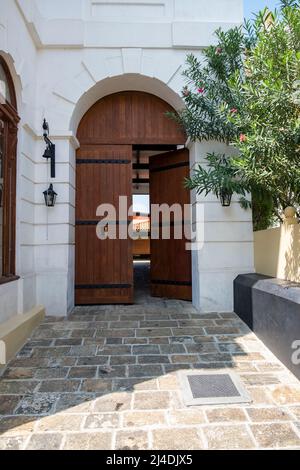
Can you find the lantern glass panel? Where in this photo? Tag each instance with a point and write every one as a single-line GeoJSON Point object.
{"type": "Point", "coordinates": [50, 196]}
{"type": "Point", "coordinates": [225, 197]}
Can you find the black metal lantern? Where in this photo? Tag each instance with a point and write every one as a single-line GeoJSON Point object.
{"type": "Point", "coordinates": [50, 196]}
{"type": "Point", "coordinates": [225, 197]}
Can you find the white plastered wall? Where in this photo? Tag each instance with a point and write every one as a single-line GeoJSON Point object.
{"type": "Point", "coordinates": [20, 55]}
{"type": "Point", "coordinates": [63, 60]}
{"type": "Point", "coordinates": [224, 241]}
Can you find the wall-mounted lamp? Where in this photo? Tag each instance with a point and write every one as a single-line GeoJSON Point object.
{"type": "Point", "coordinates": [50, 196]}
{"type": "Point", "coordinates": [50, 149]}
{"type": "Point", "coordinates": [225, 197]}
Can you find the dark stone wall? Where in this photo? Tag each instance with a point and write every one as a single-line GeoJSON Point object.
{"type": "Point", "coordinates": [271, 308]}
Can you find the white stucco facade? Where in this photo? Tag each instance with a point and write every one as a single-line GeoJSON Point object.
{"type": "Point", "coordinates": [64, 55]}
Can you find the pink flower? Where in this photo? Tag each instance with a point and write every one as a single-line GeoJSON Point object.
{"type": "Point", "coordinates": [243, 138]}
{"type": "Point", "coordinates": [218, 50]}
{"type": "Point", "coordinates": [200, 90]}
{"type": "Point", "coordinates": [233, 110]}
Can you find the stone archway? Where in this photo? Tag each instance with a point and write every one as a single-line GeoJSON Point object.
{"type": "Point", "coordinates": [126, 82]}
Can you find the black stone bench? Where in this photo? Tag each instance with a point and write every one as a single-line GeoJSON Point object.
{"type": "Point", "coordinates": [271, 308]}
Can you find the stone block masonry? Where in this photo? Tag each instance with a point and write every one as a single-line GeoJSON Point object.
{"type": "Point", "coordinates": [125, 394]}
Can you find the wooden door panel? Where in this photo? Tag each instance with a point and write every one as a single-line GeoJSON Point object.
{"type": "Point", "coordinates": [103, 268]}
{"type": "Point", "coordinates": [171, 275]}
{"type": "Point", "coordinates": [133, 117]}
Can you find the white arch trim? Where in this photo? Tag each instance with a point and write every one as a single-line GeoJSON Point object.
{"type": "Point", "coordinates": [125, 82]}
{"type": "Point", "coordinates": [102, 73]}
{"type": "Point", "coordinates": [16, 77]}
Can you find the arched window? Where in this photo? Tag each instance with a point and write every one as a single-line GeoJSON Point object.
{"type": "Point", "coordinates": [8, 147]}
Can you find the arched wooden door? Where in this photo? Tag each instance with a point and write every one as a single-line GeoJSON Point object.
{"type": "Point", "coordinates": [107, 133]}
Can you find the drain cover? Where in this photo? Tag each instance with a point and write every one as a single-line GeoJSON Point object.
{"type": "Point", "coordinates": [203, 388]}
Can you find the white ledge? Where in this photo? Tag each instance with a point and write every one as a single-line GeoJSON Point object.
{"type": "Point", "coordinates": [164, 32]}
{"type": "Point", "coordinates": [15, 332]}
{"type": "Point", "coordinates": [56, 135]}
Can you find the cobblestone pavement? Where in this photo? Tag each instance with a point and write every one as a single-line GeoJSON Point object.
{"type": "Point", "coordinates": [106, 378]}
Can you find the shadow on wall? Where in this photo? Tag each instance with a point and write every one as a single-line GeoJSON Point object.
{"type": "Point", "coordinates": [277, 252]}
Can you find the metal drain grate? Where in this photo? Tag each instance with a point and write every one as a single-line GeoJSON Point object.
{"type": "Point", "coordinates": [202, 388]}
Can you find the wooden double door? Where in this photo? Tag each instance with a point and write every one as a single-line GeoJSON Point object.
{"type": "Point", "coordinates": [107, 134]}
{"type": "Point", "coordinates": [104, 267]}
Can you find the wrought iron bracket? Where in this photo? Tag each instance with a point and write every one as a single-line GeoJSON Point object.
{"type": "Point", "coordinates": [50, 149]}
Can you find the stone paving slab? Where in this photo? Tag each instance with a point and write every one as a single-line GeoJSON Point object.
{"type": "Point", "coordinates": [106, 378]}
